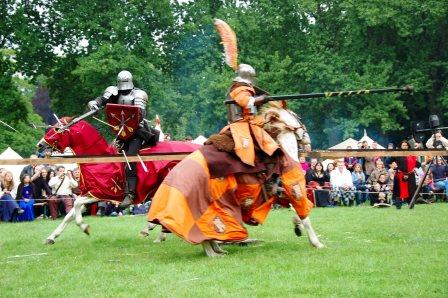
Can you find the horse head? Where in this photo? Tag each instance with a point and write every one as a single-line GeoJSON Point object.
{"type": "Point", "coordinates": [55, 138]}
{"type": "Point", "coordinates": [81, 137]}
{"type": "Point", "coordinates": [286, 128]}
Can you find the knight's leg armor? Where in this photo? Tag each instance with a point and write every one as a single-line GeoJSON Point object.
{"type": "Point", "coordinates": [132, 147]}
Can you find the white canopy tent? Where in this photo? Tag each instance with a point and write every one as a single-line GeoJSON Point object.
{"type": "Point", "coordinates": [344, 144]}
{"type": "Point", "coordinates": [354, 144]}
{"type": "Point", "coordinates": [9, 153]}
{"type": "Point", "coordinates": [200, 140]}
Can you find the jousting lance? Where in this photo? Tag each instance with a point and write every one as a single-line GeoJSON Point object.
{"type": "Point", "coordinates": [7, 125]}
{"type": "Point", "coordinates": [407, 89]}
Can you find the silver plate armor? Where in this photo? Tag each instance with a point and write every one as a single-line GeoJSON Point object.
{"type": "Point", "coordinates": [245, 74]}
{"type": "Point", "coordinates": [124, 80]}
{"type": "Point", "coordinates": [136, 97]}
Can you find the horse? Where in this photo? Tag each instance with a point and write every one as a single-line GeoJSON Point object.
{"type": "Point", "coordinates": [105, 181]}
{"type": "Point", "coordinates": [217, 209]}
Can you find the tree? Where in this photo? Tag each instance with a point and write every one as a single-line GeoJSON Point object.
{"type": "Point", "coordinates": [17, 110]}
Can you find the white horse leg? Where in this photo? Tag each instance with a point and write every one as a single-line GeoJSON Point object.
{"type": "Point", "coordinates": [218, 248]}
{"type": "Point", "coordinates": [78, 206]}
{"type": "Point", "coordinates": [209, 250]}
{"type": "Point", "coordinates": [160, 238]}
{"type": "Point", "coordinates": [305, 225]}
{"type": "Point", "coordinates": [61, 227]}
{"type": "Point", "coordinates": [149, 227]}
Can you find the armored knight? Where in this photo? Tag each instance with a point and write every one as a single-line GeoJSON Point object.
{"type": "Point", "coordinates": [126, 94]}
{"type": "Point", "coordinates": [244, 125]}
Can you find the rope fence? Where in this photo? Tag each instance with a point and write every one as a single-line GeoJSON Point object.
{"type": "Point", "coordinates": [329, 190]}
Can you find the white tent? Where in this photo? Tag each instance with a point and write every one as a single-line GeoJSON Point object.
{"type": "Point", "coordinates": [354, 144]}
{"type": "Point", "coordinates": [200, 140]}
{"type": "Point", "coordinates": [369, 141]}
{"type": "Point", "coordinates": [343, 145]}
{"type": "Point", "coordinates": [15, 169]}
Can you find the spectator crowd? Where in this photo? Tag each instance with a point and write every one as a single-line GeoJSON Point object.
{"type": "Point", "coordinates": [378, 181]}
{"type": "Point", "coordinates": [43, 191]}
{"type": "Point", "coordinates": [46, 191]}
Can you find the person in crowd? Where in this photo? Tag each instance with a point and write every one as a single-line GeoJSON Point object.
{"type": "Point", "coordinates": [359, 146]}
{"type": "Point", "coordinates": [439, 173]}
{"type": "Point", "coordinates": [51, 174]}
{"type": "Point", "coordinates": [359, 182]}
{"type": "Point", "coordinates": [350, 161]}
{"type": "Point", "coordinates": [140, 209]}
{"type": "Point", "coordinates": [26, 194]}
{"type": "Point", "coordinates": [390, 177]}
{"type": "Point", "coordinates": [112, 209]}
{"type": "Point", "coordinates": [379, 170]}
{"type": "Point", "coordinates": [305, 166]}
{"type": "Point", "coordinates": [330, 167]}
{"type": "Point", "coordinates": [31, 169]}
{"type": "Point", "coordinates": [427, 191]}
{"type": "Point", "coordinates": [404, 179]}
{"type": "Point", "coordinates": [381, 192]}
{"type": "Point", "coordinates": [388, 159]}
{"type": "Point", "coordinates": [77, 176]}
{"type": "Point", "coordinates": [2, 174]}
{"type": "Point", "coordinates": [62, 185]}
{"type": "Point", "coordinates": [9, 208]}
{"type": "Point", "coordinates": [342, 185]}
{"type": "Point", "coordinates": [43, 190]}
{"type": "Point", "coordinates": [437, 141]}
{"type": "Point", "coordinates": [319, 180]}
{"type": "Point", "coordinates": [362, 160]}
{"type": "Point", "coordinates": [188, 139]}
{"type": "Point", "coordinates": [309, 172]}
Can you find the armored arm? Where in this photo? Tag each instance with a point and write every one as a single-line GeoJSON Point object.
{"type": "Point", "coordinates": [99, 102]}
{"type": "Point", "coordinates": [140, 100]}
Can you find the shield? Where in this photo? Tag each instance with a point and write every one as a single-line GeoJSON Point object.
{"type": "Point", "coordinates": [124, 119]}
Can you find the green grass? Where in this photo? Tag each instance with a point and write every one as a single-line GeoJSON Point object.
{"type": "Point", "coordinates": [369, 252]}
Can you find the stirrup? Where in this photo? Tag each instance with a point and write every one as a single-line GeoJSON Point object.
{"type": "Point", "coordinates": [128, 200]}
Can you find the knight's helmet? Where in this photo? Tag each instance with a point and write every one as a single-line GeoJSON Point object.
{"type": "Point", "coordinates": [124, 81]}
{"type": "Point", "coordinates": [245, 74]}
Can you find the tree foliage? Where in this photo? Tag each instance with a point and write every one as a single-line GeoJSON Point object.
{"type": "Point", "coordinates": [174, 53]}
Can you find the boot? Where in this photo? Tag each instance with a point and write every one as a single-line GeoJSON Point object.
{"type": "Point", "coordinates": [129, 192]}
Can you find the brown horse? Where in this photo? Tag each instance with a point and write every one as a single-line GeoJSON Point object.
{"type": "Point", "coordinates": [105, 181]}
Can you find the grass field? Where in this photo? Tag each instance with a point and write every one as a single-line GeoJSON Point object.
{"type": "Point", "coordinates": [369, 252]}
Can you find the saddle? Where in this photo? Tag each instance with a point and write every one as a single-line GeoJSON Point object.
{"type": "Point", "coordinates": [223, 142]}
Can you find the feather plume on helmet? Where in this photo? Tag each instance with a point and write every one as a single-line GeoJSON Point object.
{"type": "Point", "coordinates": [228, 40]}
{"type": "Point", "coordinates": [245, 73]}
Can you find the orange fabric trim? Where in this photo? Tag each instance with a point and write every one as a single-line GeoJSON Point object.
{"type": "Point", "coordinates": [219, 186]}
{"type": "Point", "coordinates": [215, 223]}
{"type": "Point", "coordinates": [200, 159]}
{"type": "Point", "coordinates": [242, 95]}
{"type": "Point", "coordinates": [264, 140]}
{"type": "Point", "coordinates": [244, 145]}
{"type": "Point", "coordinates": [168, 206]}
{"type": "Point", "coordinates": [261, 212]}
{"type": "Point", "coordinates": [295, 189]}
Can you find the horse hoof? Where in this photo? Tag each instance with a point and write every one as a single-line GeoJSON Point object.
{"type": "Point", "coordinates": [160, 239]}
{"type": "Point", "coordinates": [143, 234]}
{"type": "Point", "coordinates": [319, 245]}
{"type": "Point", "coordinates": [86, 230]}
{"type": "Point", "coordinates": [49, 242]}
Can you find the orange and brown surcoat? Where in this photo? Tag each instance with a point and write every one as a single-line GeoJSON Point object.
{"type": "Point", "coordinates": [249, 128]}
